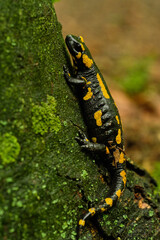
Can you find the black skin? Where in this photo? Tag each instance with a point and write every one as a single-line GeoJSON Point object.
{"type": "Point", "coordinates": [105, 129]}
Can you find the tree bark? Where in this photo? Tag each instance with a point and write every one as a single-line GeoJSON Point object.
{"type": "Point", "coordinates": [47, 182]}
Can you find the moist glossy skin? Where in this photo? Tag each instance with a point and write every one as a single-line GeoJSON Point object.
{"type": "Point", "coordinates": [102, 120]}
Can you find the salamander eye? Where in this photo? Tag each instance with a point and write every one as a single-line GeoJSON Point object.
{"type": "Point", "coordinates": [78, 47]}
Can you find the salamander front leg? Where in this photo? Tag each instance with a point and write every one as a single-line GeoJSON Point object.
{"type": "Point", "coordinates": [89, 146]}
{"type": "Point", "coordinates": [71, 80]}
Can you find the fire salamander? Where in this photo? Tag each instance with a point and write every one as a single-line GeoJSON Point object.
{"type": "Point", "coordinates": [105, 136]}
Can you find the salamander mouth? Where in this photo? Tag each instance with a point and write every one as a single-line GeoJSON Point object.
{"type": "Point", "coordinates": [73, 45]}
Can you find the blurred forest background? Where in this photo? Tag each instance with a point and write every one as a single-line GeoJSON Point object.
{"type": "Point", "coordinates": [124, 39]}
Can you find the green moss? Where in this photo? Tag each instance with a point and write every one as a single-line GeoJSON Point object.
{"type": "Point", "coordinates": [84, 174]}
{"type": "Point", "coordinates": [44, 117]}
{"type": "Point", "coordinates": [151, 213]}
{"type": "Point", "coordinates": [9, 148]}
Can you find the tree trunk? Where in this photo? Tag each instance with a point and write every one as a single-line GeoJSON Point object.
{"type": "Point", "coordinates": [47, 183]}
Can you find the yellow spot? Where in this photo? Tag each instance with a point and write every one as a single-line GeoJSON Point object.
{"type": "Point", "coordinates": [87, 61]}
{"type": "Point", "coordinates": [118, 193]}
{"type": "Point", "coordinates": [118, 137]}
{"type": "Point", "coordinates": [84, 79]}
{"type": "Point", "coordinates": [92, 211]}
{"type": "Point", "coordinates": [94, 139]}
{"type": "Point", "coordinates": [81, 38]}
{"type": "Point", "coordinates": [69, 74]}
{"type": "Point", "coordinates": [103, 209]}
{"type": "Point", "coordinates": [87, 139]}
{"type": "Point", "coordinates": [88, 82]}
{"type": "Point", "coordinates": [97, 116]}
{"type": "Point", "coordinates": [122, 158]}
{"type": "Point", "coordinates": [104, 91]}
{"type": "Point", "coordinates": [83, 49]}
{"type": "Point", "coordinates": [81, 222]}
{"type": "Point", "coordinates": [117, 118]}
{"type": "Point", "coordinates": [107, 150]}
{"type": "Point", "coordinates": [79, 55]}
{"type": "Point", "coordinates": [109, 201]}
{"type": "Point", "coordinates": [123, 175]}
{"type": "Point", "coordinates": [88, 95]}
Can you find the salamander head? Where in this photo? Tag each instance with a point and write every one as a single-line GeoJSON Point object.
{"type": "Point", "coordinates": [80, 54]}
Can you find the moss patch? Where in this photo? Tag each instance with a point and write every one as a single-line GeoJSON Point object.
{"type": "Point", "coordinates": [44, 117]}
{"type": "Point", "coordinates": [9, 148]}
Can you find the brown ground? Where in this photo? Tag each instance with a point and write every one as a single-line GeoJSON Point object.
{"type": "Point", "coordinates": [119, 35]}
